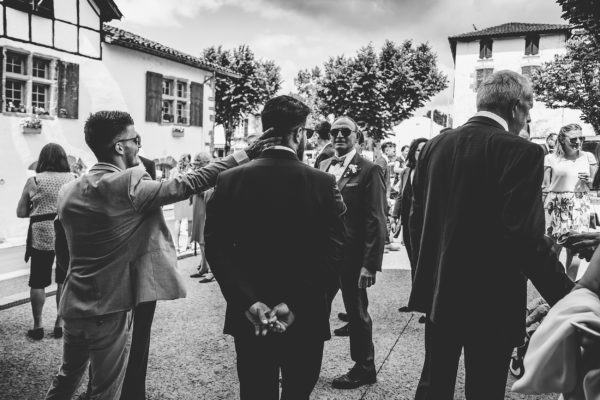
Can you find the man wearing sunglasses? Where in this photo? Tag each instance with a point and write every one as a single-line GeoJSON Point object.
{"type": "Point", "coordinates": [362, 185]}
{"type": "Point", "coordinates": [120, 249]}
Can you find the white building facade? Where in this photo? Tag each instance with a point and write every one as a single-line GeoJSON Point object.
{"type": "Point", "coordinates": [518, 47]}
{"type": "Point", "coordinates": [60, 62]}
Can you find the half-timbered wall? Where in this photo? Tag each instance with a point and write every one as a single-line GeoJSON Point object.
{"type": "Point", "coordinates": [72, 26]}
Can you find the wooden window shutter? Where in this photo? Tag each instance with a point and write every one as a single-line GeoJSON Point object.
{"type": "Point", "coordinates": [68, 90]}
{"type": "Point", "coordinates": [153, 96]}
{"type": "Point", "coordinates": [196, 103]}
{"type": "Point", "coordinates": [1, 72]}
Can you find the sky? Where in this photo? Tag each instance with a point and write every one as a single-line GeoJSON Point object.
{"type": "Point", "coordinates": [299, 34]}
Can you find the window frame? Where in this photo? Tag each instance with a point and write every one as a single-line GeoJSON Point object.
{"type": "Point", "coordinates": [28, 80]}
{"type": "Point", "coordinates": [486, 49]}
{"type": "Point", "coordinates": [175, 98]}
{"type": "Point", "coordinates": [532, 45]}
{"type": "Point", "coordinates": [485, 72]}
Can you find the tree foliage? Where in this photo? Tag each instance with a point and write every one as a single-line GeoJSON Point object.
{"type": "Point", "coordinates": [306, 83]}
{"type": "Point", "coordinates": [377, 89]}
{"type": "Point", "coordinates": [583, 14]}
{"type": "Point", "coordinates": [237, 97]}
{"type": "Point", "coordinates": [572, 80]}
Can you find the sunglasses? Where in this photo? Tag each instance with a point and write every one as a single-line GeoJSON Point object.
{"type": "Point", "coordinates": [344, 131]}
{"type": "Point", "coordinates": [575, 141]}
{"type": "Point", "coordinates": [137, 140]}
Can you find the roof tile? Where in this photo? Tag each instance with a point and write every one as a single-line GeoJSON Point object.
{"type": "Point", "coordinates": [130, 40]}
{"type": "Point", "coordinates": [512, 29]}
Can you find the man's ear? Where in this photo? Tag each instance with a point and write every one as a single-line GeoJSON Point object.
{"type": "Point", "coordinates": [118, 147]}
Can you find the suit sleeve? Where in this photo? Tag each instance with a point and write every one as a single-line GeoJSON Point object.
{"type": "Point", "coordinates": [337, 237]}
{"type": "Point", "coordinates": [375, 206]}
{"type": "Point", "coordinates": [61, 247]}
{"type": "Point", "coordinates": [232, 277]}
{"type": "Point", "coordinates": [415, 218]}
{"type": "Point", "coordinates": [523, 221]}
{"type": "Point", "coordinates": [147, 194]}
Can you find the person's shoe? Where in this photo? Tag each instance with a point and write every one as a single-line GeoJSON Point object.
{"type": "Point", "coordinates": [58, 332]}
{"type": "Point", "coordinates": [404, 309]}
{"type": "Point", "coordinates": [207, 278]}
{"type": "Point", "coordinates": [422, 319]}
{"type": "Point", "coordinates": [343, 317]}
{"type": "Point", "coordinates": [36, 334]}
{"type": "Point", "coordinates": [356, 377]}
{"type": "Point", "coordinates": [343, 331]}
{"type": "Point", "coordinates": [198, 275]}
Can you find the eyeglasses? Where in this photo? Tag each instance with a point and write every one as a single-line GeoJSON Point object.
{"type": "Point", "coordinates": [344, 131]}
{"type": "Point", "coordinates": [137, 139]}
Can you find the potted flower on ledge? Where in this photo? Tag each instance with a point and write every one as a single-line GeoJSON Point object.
{"type": "Point", "coordinates": [31, 125]}
{"type": "Point", "coordinates": [178, 131]}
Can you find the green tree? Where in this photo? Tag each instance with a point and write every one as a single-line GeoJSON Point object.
{"type": "Point", "coordinates": [237, 97]}
{"type": "Point", "coordinates": [584, 14]}
{"type": "Point", "coordinates": [378, 89]}
{"type": "Point", "coordinates": [306, 82]}
{"type": "Point", "coordinates": [572, 80]}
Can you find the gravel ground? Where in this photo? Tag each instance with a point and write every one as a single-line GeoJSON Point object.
{"type": "Point", "coordinates": [190, 358]}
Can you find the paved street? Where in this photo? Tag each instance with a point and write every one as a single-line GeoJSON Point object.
{"type": "Point", "coordinates": [191, 359]}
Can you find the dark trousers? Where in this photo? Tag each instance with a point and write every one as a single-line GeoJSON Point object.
{"type": "Point", "coordinates": [356, 302]}
{"type": "Point", "coordinates": [486, 364]}
{"type": "Point", "coordinates": [134, 386]}
{"type": "Point", "coordinates": [408, 247]}
{"type": "Point", "coordinates": [260, 360]}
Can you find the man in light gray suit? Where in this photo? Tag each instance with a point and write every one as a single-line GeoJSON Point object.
{"type": "Point", "coordinates": [121, 252]}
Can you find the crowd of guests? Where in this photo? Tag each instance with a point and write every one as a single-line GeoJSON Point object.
{"type": "Point", "coordinates": [468, 204]}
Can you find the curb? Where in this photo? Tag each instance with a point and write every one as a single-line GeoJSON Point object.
{"type": "Point", "coordinates": [4, 305]}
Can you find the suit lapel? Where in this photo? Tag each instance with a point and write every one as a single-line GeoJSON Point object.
{"type": "Point", "coordinates": [346, 177]}
{"type": "Point", "coordinates": [324, 166]}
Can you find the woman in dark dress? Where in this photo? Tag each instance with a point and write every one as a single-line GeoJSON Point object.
{"type": "Point", "coordinates": [404, 201]}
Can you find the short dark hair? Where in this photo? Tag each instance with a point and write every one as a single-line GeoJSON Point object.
{"type": "Point", "coordinates": [52, 158]}
{"type": "Point", "coordinates": [283, 113]}
{"type": "Point", "coordinates": [103, 127]}
{"type": "Point", "coordinates": [385, 145]}
{"type": "Point", "coordinates": [322, 129]}
{"type": "Point", "coordinates": [404, 147]}
{"type": "Point", "coordinates": [411, 157]}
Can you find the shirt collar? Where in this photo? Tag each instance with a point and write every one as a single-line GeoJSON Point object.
{"type": "Point", "coordinates": [103, 166]}
{"type": "Point", "coordinates": [284, 148]}
{"type": "Point", "coordinates": [495, 117]}
{"type": "Point", "coordinates": [348, 158]}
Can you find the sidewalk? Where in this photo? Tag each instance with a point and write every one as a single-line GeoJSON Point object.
{"type": "Point", "coordinates": [190, 358]}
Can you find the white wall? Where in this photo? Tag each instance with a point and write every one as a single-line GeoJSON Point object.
{"type": "Point", "coordinates": [117, 82]}
{"type": "Point", "coordinates": [509, 53]}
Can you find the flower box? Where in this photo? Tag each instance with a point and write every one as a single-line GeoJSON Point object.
{"type": "Point", "coordinates": [27, 130]}
{"type": "Point", "coordinates": [178, 131]}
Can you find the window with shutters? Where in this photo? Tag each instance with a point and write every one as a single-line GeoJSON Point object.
{"type": "Point", "coordinates": [175, 101]}
{"type": "Point", "coordinates": [532, 45]}
{"type": "Point", "coordinates": [481, 75]}
{"type": "Point", "coordinates": [34, 83]}
{"type": "Point", "coordinates": [485, 48]}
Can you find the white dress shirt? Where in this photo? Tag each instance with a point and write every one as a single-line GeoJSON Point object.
{"type": "Point", "coordinates": [338, 170]}
{"type": "Point", "coordinates": [493, 116]}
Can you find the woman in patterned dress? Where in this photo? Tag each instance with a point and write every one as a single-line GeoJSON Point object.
{"type": "Point", "coordinates": [39, 202]}
{"type": "Point", "coordinates": [567, 178]}
{"type": "Point", "coordinates": [182, 209]}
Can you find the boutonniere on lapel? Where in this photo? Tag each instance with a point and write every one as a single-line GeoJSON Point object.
{"type": "Point", "coordinates": [352, 170]}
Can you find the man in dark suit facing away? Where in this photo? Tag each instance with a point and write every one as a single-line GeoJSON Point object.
{"type": "Point", "coordinates": [274, 237]}
{"type": "Point", "coordinates": [363, 189]}
{"type": "Point", "coordinates": [477, 229]}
